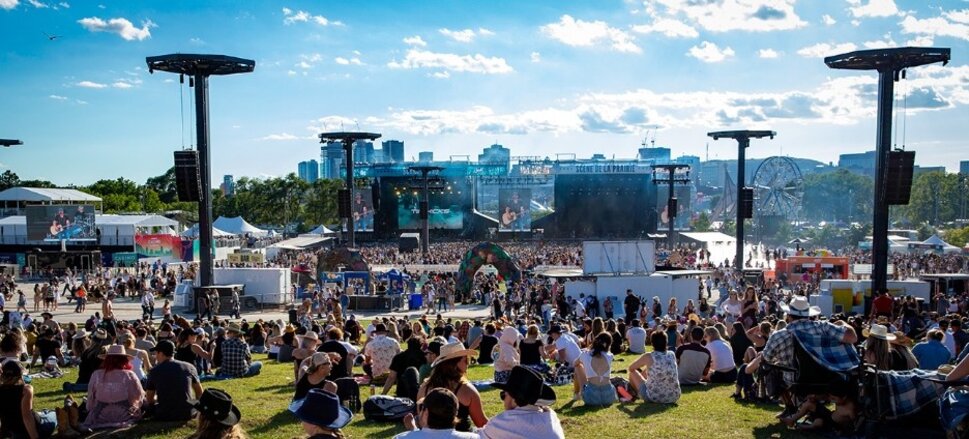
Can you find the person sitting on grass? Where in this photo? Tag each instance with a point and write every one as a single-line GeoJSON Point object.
{"type": "Point", "coordinates": [486, 344]}
{"type": "Point", "coordinates": [450, 371]}
{"type": "Point", "coordinates": [312, 375]}
{"type": "Point", "coordinates": [90, 361]}
{"type": "Point", "coordinates": [170, 386]}
{"type": "Point", "coordinates": [527, 415]}
{"type": "Point", "coordinates": [115, 395]}
{"type": "Point", "coordinates": [378, 354]}
{"type": "Point", "coordinates": [723, 368]}
{"type": "Point", "coordinates": [217, 416]}
{"type": "Point", "coordinates": [592, 372]}
{"type": "Point", "coordinates": [308, 343]}
{"type": "Point", "coordinates": [17, 416]}
{"type": "Point", "coordinates": [322, 415]}
{"type": "Point", "coordinates": [508, 356]}
{"type": "Point", "coordinates": [636, 336]}
{"type": "Point", "coordinates": [660, 381]}
{"type": "Point", "coordinates": [564, 349]}
{"type": "Point", "coordinates": [404, 370]}
{"type": "Point", "coordinates": [236, 358]}
{"type": "Point", "coordinates": [436, 413]}
{"type": "Point", "coordinates": [692, 359]}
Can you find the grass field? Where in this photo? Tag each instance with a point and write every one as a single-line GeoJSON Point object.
{"type": "Point", "coordinates": [701, 412]}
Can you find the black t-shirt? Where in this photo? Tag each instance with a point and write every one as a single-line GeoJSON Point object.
{"type": "Point", "coordinates": [530, 352]}
{"type": "Point", "coordinates": [337, 370]}
{"type": "Point", "coordinates": [48, 348]}
{"type": "Point", "coordinates": [631, 304]}
{"type": "Point", "coordinates": [409, 358]}
{"type": "Point", "coordinates": [172, 383]}
{"type": "Point", "coordinates": [90, 362]}
{"type": "Point", "coordinates": [488, 343]}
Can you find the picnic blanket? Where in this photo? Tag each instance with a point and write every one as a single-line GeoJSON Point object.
{"type": "Point", "coordinates": [905, 393]}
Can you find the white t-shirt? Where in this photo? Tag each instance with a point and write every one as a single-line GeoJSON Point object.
{"type": "Point", "coordinates": [721, 356]}
{"type": "Point", "coordinates": [637, 339]}
{"type": "Point", "coordinates": [567, 343]}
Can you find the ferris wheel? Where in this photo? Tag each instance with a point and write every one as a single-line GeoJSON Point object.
{"type": "Point", "coordinates": [779, 188]}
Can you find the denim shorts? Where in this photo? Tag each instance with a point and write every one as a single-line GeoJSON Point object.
{"type": "Point", "coordinates": [604, 394]}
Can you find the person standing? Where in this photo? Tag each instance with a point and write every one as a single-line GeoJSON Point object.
{"type": "Point", "coordinates": [631, 305]}
{"type": "Point", "coordinates": [148, 305]}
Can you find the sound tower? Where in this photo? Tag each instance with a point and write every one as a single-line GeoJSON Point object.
{"type": "Point", "coordinates": [343, 203]}
{"type": "Point", "coordinates": [898, 184]}
{"type": "Point", "coordinates": [746, 203]}
{"type": "Point", "coordinates": [187, 183]}
{"type": "Point", "coordinates": [672, 208]}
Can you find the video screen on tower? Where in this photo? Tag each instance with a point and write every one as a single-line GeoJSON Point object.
{"type": "Point", "coordinates": [514, 213]}
{"type": "Point", "coordinates": [683, 211]}
{"type": "Point", "coordinates": [61, 222]}
{"type": "Point", "coordinates": [444, 211]}
{"type": "Point", "coordinates": [361, 207]}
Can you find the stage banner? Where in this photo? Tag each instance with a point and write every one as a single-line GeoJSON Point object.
{"type": "Point", "coordinates": [168, 247]}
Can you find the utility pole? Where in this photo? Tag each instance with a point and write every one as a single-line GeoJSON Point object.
{"type": "Point", "coordinates": [743, 193]}
{"type": "Point", "coordinates": [199, 68]}
{"type": "Point", "coordinates": [670, 180]}
{"type": "Point", "coordinates": [889, 63]}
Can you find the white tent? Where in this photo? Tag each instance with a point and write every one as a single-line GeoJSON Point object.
{"type": "Point", "coordinates": [193, 232]}
{"type": "Point", "coordinates": [238, 226]}
{"type": "Point", "coordinates": [321, 230]}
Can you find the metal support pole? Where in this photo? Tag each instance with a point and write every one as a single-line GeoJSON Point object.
{"type": "Point", "coordinates": [348, 154]}
{"type": "Point", "coordinates": [742, 144]}
{"type": "Point", "coordinates": [425, 220]}
{"type": "Point", "coordinates": [205, 176]}
{"type": "Point", "coordinates": [879, 245]}
{"type": "Point", "coordinates": [672, 214]}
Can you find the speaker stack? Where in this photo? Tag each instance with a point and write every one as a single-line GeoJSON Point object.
{"type": "Point", "coordinates": [898, 184]}
{"type": "Point", "coordinates": [187, 183]}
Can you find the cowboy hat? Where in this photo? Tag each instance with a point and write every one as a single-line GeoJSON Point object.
{"type": "Point", "coordinates": [115, 350]}
{"type": "Point", "coordinates": [525, 384]}
{"type": "Point", "coordinates": [290, 328]}
{"type": "Point", "coordinates": [451, 351]}
{"type": "Point", "coordinates": [800, 307]}
{"type": "Point", "coordinates": [217, 405]}
{"type": "Point", "coordinates": [310, 335]}
{"type": "Point", "coordinates": [321, 408]}
{"type": "Point", "coordinates": [902, 339]}
{"type": "Point", "coordinates": [80, 334]}
{"type": "Point", "coordinates": [234, 327]}
{"type": "Point", "coordinates": [878, 331]}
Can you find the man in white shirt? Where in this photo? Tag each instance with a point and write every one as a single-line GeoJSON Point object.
{"type": "Point", "coordinates": [565, 350]}
{"type": "Point", "coordinates": [379, 353]}
{"type": "Point", "coordinates": [636, 336]}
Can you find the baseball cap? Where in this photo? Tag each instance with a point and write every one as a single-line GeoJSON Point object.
{"type": "Point", "coordinates": [165, 346]}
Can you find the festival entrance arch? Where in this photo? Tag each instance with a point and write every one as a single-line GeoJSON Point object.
{"type": "Point", "coordinates": [486, 253]}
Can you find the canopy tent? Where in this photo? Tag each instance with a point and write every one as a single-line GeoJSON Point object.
{"type": "Point", "coordinates": [321, 230]}
{"type": "Point", "coordinates": [193, 232]}
{"type": "Point", "coordinates": [238, 226]}
{"type": "Point", "coordinates": [47, 196]}
{"type": "Point", "coordinates": [946, 247]}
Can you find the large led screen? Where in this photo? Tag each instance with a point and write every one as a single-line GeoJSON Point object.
{"type": "Point", "coordinates": [361, 207]}
{"type": "Point", "coordinates": [444, 211]}
{"type": "Point", "coordinates": [514, 213]}
{"type": "Point", "coordinates": [61, 222]}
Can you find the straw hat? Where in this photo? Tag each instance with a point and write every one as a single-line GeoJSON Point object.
{"type": "Point", "coordinates": [80, 334]}
{"type": "Point", "coordinates": [800, 307]}
{"type": "Point", "coordinates": [879, 332]}
{"type": "Point", "coordinates": [115, 350]}
{"type": "Point", "coordinates": [290, 329]}
{"type": "Point", "coordinates": [451, 351]}
{"type": "Point", "coordinates": [234, 327]}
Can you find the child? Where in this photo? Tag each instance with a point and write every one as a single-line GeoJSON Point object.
{"type": "Point", "coordinates": [815, 413]}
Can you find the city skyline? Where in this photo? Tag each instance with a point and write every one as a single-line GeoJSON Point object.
{"type": "Point", "coordinates": [455, 77]}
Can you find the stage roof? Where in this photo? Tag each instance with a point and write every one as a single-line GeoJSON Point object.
{"type": "Point", "coordinates": [34, 194]}
{"type": "Point", "coordinates": [708, 236]}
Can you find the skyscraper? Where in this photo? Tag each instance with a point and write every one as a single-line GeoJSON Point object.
{"type": "Point", "coordinates": [393, 151]}
{"type": "Point", "coordinates": [331, 158]}
{"type": "Point", "coordinates": [309, 171]}
{"type": "Point", "coordinates": [228, 185]}
{"type": "Point", "coordinates": [657, 155]}
{"type": "Point", "coordinates": [425, 156]}
{"type": "Point", "coordinates": [964, 167]}
{"type": "Point", "coordinates": [363, 152]}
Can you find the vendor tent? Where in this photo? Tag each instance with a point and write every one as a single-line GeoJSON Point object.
{"type": "Point", "coordinates": [946, 247]}
{"type": "Point", "coordinates": [321, 230]}
{"type": "Point", "coordinates": [193, 232]}
{"type": "Point", "coordinates": [238, 226]}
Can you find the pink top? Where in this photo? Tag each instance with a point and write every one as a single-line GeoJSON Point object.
{"type": "Point", "coordinates": [114, 399]}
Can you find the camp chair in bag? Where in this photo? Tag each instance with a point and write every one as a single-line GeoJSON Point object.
{"type": "Point", "coordinates": [349, 392]}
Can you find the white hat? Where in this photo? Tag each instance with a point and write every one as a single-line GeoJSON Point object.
{"type": "Point", "coordinates": [800, 307]}
{"type": "Point", "coordinates": [879, 331]}
{"type": "Point", "coordinates": [451, 351]}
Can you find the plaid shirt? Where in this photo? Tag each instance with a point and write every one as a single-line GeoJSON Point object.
{"type": "Point", "coordinates": [235, 357]}
{"type": "Point", "coordinates": [822, 340]}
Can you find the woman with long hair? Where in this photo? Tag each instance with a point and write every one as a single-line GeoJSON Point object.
{"type": "Point", "coordinates": [115, 395]}
{"type": "Point", "coordinates": [531, 352]}
{"type": "Point", "coordinates": [673, 310]}
{"type": "Point", "coordinates": [218, 418]}
{"type": "Point", "coordinates": [17, 406]}
{"type": "Point", "coordinates": [450, 371]}
{"type": "Point", "coordinates": [187, 350]}
{"type": "Point", "coordinates": [592, 372]}
{"type": "Point", "coordinates": [257, 339]}
{"type": "Point", "coordinates": [617, 338]}
{"type": "Point", "coordinates": [748, 312]}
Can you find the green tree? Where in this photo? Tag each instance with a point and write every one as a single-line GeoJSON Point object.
{"type": "Point", "coordinates": [164, 185]}
{"type": "Point", "coordinates": [840, 196]}
{"type": "Point", "coordinates": [8, 180]}
{"type": "Point", "coordinates": [957, 237]}
{"type": "Point", "coordinates": [934, 199]}
{"type": "Point", "coordinates": [702, 223]}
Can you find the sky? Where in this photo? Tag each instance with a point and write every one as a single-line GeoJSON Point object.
{"type": "Point", "coordinates": [454, 76]}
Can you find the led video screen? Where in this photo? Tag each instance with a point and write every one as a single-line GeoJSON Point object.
{"type": "Point", "coordinates": [683, 212]}
{"type": "Point", "coordinates": [444, 211]}
{"type": "Point", "coordinates": [61, 222]}
{"type": "Point", "coordinates": [361, 207]}
{"type": "Point", "coordinates": [514, 210]}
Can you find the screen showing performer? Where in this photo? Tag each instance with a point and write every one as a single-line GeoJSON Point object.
{"type": "Point", "coordinates": [444, 211]}
{"type": "Point", "coordinates": [514, 213]}
{"type": "Point", "coordinates": [61, 223]}
{"type": "Point", "coordinates": [361, 207]}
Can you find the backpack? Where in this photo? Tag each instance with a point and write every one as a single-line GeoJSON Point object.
{"type": "Point", "coordinates": [381, 408]}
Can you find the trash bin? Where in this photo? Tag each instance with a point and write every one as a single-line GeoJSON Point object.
{"type": "Point", "coordinates": [415, 302]}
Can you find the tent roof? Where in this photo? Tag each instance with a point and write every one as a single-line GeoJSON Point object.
{"type": "Point", "coordinates": [301, 242]}
{"type": "Point", "coordinates": [708, 236]}
{"type": "Point", "coordinates": [194, 231]}
{"type": "Point", "coordinates": [321, 230]}
{"type": "Point", "coordinates": [41, 194]}
{"type": "Point", "coordinates": [935, 240]}
{"type": "Point", "coordinates": [107, 220]}
{"type": "Point", "coordinates": [237, 225]}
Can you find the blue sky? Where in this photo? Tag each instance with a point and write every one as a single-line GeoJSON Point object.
{"type": "Point", "coordinates": [540, 77]}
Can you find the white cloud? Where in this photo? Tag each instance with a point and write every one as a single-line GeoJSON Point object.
{"type": "Point", "coordinates": [669, 27]}
{"type": "Point", "coordinates": [485, 32]}
{"type": "Point", "coordinates": [195, 41]}
{"type": "Point", "coordinates": [65, 5]}
{"type": "Point", "coordinates": [579, 33]}
{"type": "Point", "coordinates": [415, 40]}
{"type": "Point", "coordinates": [828, 20]}
{"type": "Point", "coordinates": [961, 16]}
{"type": "Point", "coordinates": [80, 102]}
{"type": "Point", "coordinates": [122, 85]}
{"type": "Point", "coordinates": [281, 136]}
{"type": "Point", "coordinates": [121, 26]}
{"type": "Point", "coordinates": [38, 4]}
{"type": "Point", "coordinates": [536, 57]}
{"type": "Point", "coordinates": [880, 44]}
{"type": "Point", "coordinates": [9, 4]}
{"type": "Point", "coordinates": [345, 62]}
{"type": "Point", "coordinates": [767, 53]}
{"type": "Point", "coordinates": [90, 84]}
{"type": "Point", "coordinates": [464, 36]}
{"type": "Point", "coordinates": [477, 63]}
{"type": "Point", "coordinates": [307, 62]}
{"type": "Point", "coordinates": [290, 17]}
{"type": "Point", "coordinates": [58, 97]}
{"type": "Point", "coordinates": [874, 8]}
{"type": "Point", "coordinates": [937, 26]}
{"type": "Point", "coordinates": [822, 50]}
{"type": "Point", "coordinates": [440, 75]}
{"type": "Point", "coordinates": [921, 41]}
{"type": "Point", "coordinates": [731, 15]}
{"type": "Point", "coordinates": [291, 73]}
{"type": "Point", "coordinates": [710, 53]}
